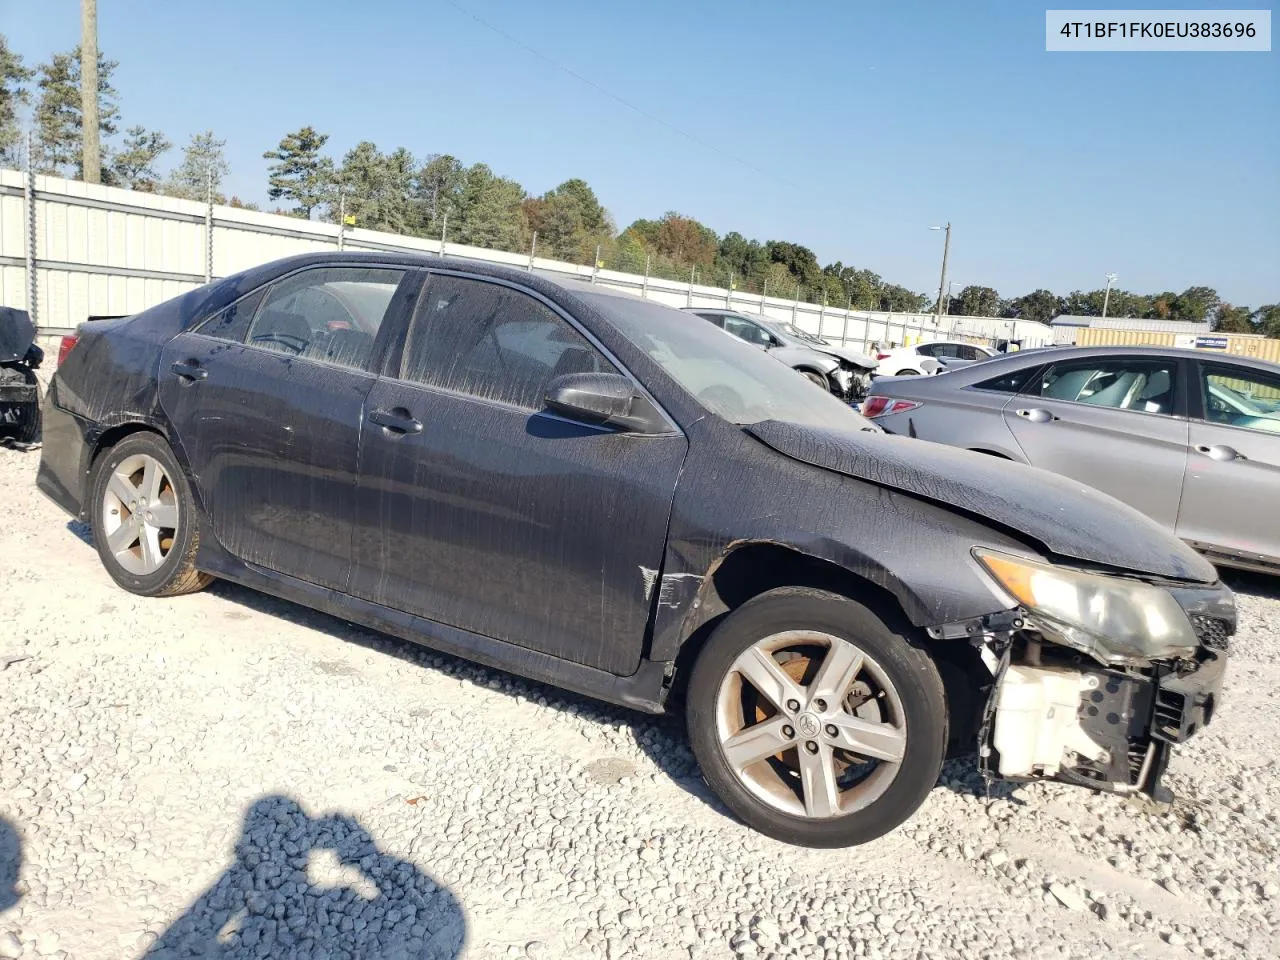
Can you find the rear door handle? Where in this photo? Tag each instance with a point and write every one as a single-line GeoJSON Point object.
{"type": "Point", "coordinates": [189, 370]}
{"type": "Point", "coordinates": [1219, 451]}
{"type": "Point", "coordinates": [399, 421]}
{"type": "Point", "coordinates": [1037, 415]}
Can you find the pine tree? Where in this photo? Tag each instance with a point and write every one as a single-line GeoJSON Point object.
{"type": "Point", "coordinates": [202, 159]}
{"type": "Point", "coordinates": [300, 174]}
{"type": "Point", "coordinates": [133, 166]}
{"type": "Point", "coordinates": [13, 94]}
{"type": "Point", "coordinates": [59, 123]}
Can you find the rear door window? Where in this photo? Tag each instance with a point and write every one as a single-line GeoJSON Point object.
{"type": "Point", "coordinates": [330, 314]}
{"type": "Point", "coordinates": [1121, 383]}
{"type": "Point", "coordinates": [1240, 397]}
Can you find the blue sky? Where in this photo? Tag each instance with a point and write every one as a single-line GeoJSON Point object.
{"type": "Point", "coordinates": [870, 122]}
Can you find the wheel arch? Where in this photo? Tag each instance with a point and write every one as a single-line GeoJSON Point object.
{"type": "Point", "coordinates": [747, 569]}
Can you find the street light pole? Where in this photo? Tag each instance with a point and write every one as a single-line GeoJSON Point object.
{"type": "Point", "coordinates": [942, 282]}
{"type": "Point", "coordinates": [1106, 297]}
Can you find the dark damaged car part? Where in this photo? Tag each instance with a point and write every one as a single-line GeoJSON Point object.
{"type": "Point", "coordinates": [20, 358]}
{"type": "Point", "coordinates": [588, 489]}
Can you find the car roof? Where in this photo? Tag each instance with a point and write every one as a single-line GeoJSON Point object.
{"type": "Point", "coordinates": [1053, 354]}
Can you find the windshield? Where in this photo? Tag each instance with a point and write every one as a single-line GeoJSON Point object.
{"type": "Point", "coordinates": [791, 330]}
{"type": "Point", "coordinates": [730, 378]}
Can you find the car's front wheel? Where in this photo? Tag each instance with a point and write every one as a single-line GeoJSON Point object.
{"type": "Point", "coordinates": [815, 378]}
{"type": "Point", "coordinates": [143, 518]}
{"type": "Point", "coordinates": [814, 720]}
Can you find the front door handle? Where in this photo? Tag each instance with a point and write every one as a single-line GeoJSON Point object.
{"type": "Point", "coordinates": [190, 370]}
{"type": "Point", "coordinates": [1037, 415]}
{"type": "Point", "coordinates": [399, 421]}
{"type": "Point", "coordinates": [1219, 451]}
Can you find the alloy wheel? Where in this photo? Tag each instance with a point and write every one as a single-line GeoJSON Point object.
{"type": "Point", "coordinates": [140, 514]}
{"type": "Point", "coordinates": [811, 724]}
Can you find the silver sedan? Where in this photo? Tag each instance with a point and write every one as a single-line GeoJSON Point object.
{"type": "Point", "coordinates": [1190, 438]}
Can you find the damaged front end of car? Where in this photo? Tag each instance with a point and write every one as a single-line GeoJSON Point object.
{"type": "Point", "coordinates": [1094, 677]}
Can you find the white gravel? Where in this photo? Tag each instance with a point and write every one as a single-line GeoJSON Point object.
{"type": "Point", "coordinates": [229, 775]}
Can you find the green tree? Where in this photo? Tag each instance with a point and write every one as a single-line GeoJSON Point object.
{"type": "Point", "coordinates": [977, 301]}
{"type": "Point", "coordinates": [491, 211]}
{"type": "Point", "coordinates": [133, 165]}
{"type": "Point", "coordinates": [1266, 320]}
{"type": "Point", "coordinates": [1038, 305]}
{"type": "Point", "coordinates": [570, 221]}
{"type": "Point", "coordinates": [437, 192]}
{"type": "Point", "coordinates": [1195, 303]}
{"type": "Point", "coordinates": [1229, 319]}
{"type": "Point", "coordinates": [59, 123]}
{"type": "Point", "coordinates": [13, 94]}
{"type": "Point", "coordinates": [202, 160]}
{"type": "Point", "coordinates": [300, 173]}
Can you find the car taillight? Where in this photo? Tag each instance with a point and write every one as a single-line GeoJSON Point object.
{"type": "Point", "coordinates": [882, 356]}
{"type": "Point", "coordinates": [873, 407]}
{"type": "Point", "coordinates": [69, 341]}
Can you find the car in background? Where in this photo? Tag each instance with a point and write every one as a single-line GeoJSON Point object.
{"type": "Point", "coordinates": [839, 370]}
{"type": "Point", "coordinates": [1190, 438]}
{"type": "Point", "coordinates": [925, 359]}
{"type": "Point", "coordinates": [592, 490]}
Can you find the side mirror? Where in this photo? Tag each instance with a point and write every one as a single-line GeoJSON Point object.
{"type": "Point", "coordinates": [608, 399]}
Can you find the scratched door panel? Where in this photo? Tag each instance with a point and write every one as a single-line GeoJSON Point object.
{"type": "Point", "coordinates": [514, 524]}
{"type": "Point", "coordinates": [272, 441]}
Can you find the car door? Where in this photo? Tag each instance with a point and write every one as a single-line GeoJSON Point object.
{"type": "Point", "coordinates": [1116, 423]}
{"type": "Point", "coordinates": [482, 510]}
{"type": "Point", "coordinates": [266, 399]}
{"type": "Point", "coordinates": [1229, 495]}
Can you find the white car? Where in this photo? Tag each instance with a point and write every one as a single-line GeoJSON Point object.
{"type": "Point", "coordinates": [926, 359]}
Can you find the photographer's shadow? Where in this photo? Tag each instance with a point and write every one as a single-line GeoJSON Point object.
{"type": "Point", "coordinates": [315, 888]}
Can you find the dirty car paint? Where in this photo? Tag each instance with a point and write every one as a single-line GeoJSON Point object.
{"type": "Point", "coordinates": [578, 556]}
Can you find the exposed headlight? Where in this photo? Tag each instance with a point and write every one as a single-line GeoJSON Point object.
{"type": "Point", "coordinates": [1113, 620]}
{"type": "Point", "coordinates": [843, 377]}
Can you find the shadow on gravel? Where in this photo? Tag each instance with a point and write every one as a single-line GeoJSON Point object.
{"type": "Point", "coordinates": [961, 775]}
{"type": "Point", "coordinates": [82, 531]}
{"type": "Point", "coordinates": [315, 887]}
{"type": "Point", "coordinates": [10, 864]}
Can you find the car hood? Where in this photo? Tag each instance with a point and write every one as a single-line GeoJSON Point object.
{"type": "Point", "coordinates": [1064, 516]}
{"type": "Point", "coordinates": [853, 356]}
{"type": "Point", "coordinates": [16, 334]}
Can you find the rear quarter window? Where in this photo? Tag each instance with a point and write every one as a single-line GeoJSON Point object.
{"type": "Point", "coordinates": [1012, 382]}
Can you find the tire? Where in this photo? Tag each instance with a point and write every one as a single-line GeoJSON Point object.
{"type": "Point", "coordinates": [29, 425]}
{"type": "Point", "coordinates": [815, 378]}
{"type": "Point", "coordinates": [897, 693]}
{"type": "Point", "coordinates": [907, 373]}
{"type": "Point", "coordinates": [144, 564]}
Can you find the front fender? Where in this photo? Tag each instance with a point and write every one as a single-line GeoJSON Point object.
{"type": "Point", "coordinates": [736, 492]}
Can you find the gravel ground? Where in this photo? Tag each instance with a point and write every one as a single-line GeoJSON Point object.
{"type": "Point", "coordinates": [231, 775]}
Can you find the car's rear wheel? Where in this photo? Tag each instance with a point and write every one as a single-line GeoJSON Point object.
{"type": "Point", "coordinates": [816, 721]}
{"type": "Point", "coordinates": [144, 522]}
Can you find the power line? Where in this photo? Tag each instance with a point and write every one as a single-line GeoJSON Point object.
{"type": "Point", "coordinates": [613, 96]}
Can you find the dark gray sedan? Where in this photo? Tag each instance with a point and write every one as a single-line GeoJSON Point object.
{"type": "Point", "coordinates": [1190, 438]}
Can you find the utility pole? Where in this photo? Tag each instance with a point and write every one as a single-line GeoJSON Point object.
{"type": "Point", "coordinates": [533, 248]}
{"type": "Point", "coordinates": [444, 232]}
{"type": "Point", "coordinates": [91, 156]}
{"type": "Point", "coordinates": [942, 282]}
{"type": "Point", "coordinates": [1106, 297]}
{"type": "Point", "coordinates": [342, 219]}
